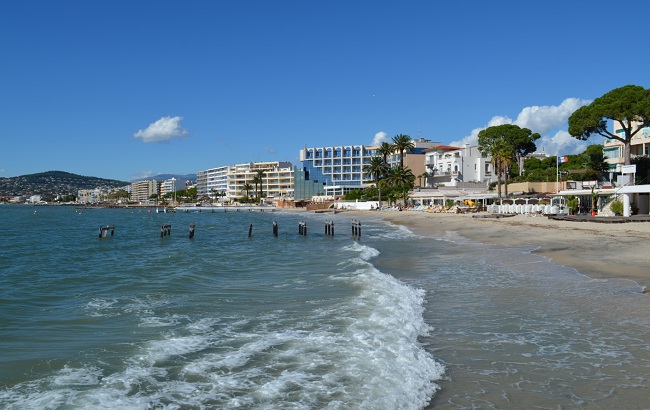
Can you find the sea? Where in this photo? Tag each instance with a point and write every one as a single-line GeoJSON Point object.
{"type": "Point", "coordinates": [237, 317]}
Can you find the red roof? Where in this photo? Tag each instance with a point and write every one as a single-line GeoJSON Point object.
{"type": "Point", "coordinates": [442, 148]}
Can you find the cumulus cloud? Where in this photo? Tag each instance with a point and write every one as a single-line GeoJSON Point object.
{"type": "Point", "coordinates": [544, 120]}
{"type": "Point", "coordinates": [165, 129]}
{"type": "Point", "coordinates": [142, 175]}
{"type": "Point", "coordinates": [379, 138]}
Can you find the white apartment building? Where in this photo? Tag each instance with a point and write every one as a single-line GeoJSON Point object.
{"type": "Point", "coordinates": [89, 196]}
{"type": "Point", "coordinates": [277, 181]}
{"type": "Point", "coordinates": [171, 185]}
{"type": "Point", "coordinates": [613, 149]}
{"type": "Point", "coordinates": [141, 191]}
{"type": "Point", "coordinates": [451, 166]}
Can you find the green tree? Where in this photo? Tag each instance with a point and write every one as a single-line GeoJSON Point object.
{"type": "Point", "coordinates": [385, 149]}
{"type": "Point", "coordinates": [594, 161]}
{"type": "Point", "coordinates": [247, 188]}
{"type": "Point", "coordinates": [353, 195]}
{"type": "Point", "coordinates": [507, 144]}
{"type": "Point", "coordinates": [629, 106]}
{"type": "Point", "coordinates": [193, 193]}
{"type": "Point", "coordinates": [403, 144]}
{"type": "Point", "coordinates": [423, 175]}
{"type": "Point", "coordinates": [402, 180]}
{"type": "Point", "coordinates": [258, 179]}
{"type": "Point", "coordinates": [377, 168]}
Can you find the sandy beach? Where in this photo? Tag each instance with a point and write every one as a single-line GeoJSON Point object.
{"type": "Point", "coordinates": [595, 249]}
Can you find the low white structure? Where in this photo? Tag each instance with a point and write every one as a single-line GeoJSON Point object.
{"type": "Point", "coordinates": [452, 166]}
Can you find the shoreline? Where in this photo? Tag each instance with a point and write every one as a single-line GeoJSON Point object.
{"type": "Point", "coordinates": [597, 250]}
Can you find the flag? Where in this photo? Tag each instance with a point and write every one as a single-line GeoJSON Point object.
{"type": "Point", "coordinates": [561, 160]}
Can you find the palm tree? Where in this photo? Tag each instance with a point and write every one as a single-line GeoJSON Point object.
{"type": "Point", "coordinates": [247, 188]}
{"type": "Point", "coordinates": [377, 168]}
{"type": "Point", "coordinates": [402, 144]}
{"type": "Point", "coordinates": [501, 160]}
{"type": "Point", "coordinates": [258, 179]}
{"type": "Point", "coordinates": [215, 194]}
{"type": "Point", "coordinates": [423, 175]}
{"type": "Point", "coordinates": [402, 179]}
{"type": "Point", "coordinates": [385, 149]}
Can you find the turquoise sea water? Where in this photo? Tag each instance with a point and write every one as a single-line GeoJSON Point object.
{"type": "Point", "coordinates": [390, 321]}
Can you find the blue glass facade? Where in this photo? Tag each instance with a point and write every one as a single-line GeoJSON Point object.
{"type": "Point", "coordinates": [340, 168]}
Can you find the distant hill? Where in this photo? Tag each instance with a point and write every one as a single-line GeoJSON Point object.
{"type": "Point", "coordinates": [53, 183]}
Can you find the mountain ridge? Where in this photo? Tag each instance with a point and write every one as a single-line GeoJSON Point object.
{"type": "Point", "coordinates": [62, 183]}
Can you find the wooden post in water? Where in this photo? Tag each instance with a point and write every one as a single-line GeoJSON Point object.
{"type": "Point", "coordinates": [192, 230]}
{"type": "Point", "coordinates": [165, 230]}
{"type": "Point", "coordinates": [329, 228]}
{"type": "Point", "coordinates": [103, 230]}
{"type": "Point", "coordinates": [275, 229]}
{"type": "Point", "coordinates": [250, 230]}
{"type": "Point", "coordinates": [356, 228]}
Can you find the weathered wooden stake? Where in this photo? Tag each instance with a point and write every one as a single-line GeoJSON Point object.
{"type": "Point", "coordinates": [250, 230]}
{"type": "Point", "coordinates": [356, 228]}
{"type": "Point", "coordinates": [275, 229]}
{"type": "Point", "coordinates": [103, 230]}
{"type": "Point", "coordinates": [165, 230]}
{"type": "Point", "coordinates": [192, 230]}
{"type": "Point", "coordinates": [329, 228]}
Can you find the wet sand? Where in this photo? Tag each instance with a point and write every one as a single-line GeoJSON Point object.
{"type": "Point", "coordinates": [595, 249]}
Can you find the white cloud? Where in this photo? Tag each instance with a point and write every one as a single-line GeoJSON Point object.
{"type": "Point", "coordinates": [544, 120]}
{"type": "Point", "coordinates": [561, 143]}
{"type": "Point", "coordinates": [165, 129]}
{"type": "Point", "coordinates": [143, 175]}
{"type": "Point", "coordinates": [379, 138]}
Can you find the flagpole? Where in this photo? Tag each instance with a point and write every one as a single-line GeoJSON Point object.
{"type": "Point", "coordinates": [557, 173]}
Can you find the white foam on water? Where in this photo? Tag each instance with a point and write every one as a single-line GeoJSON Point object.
{"type": "Point", "coordinates": [361, 351]}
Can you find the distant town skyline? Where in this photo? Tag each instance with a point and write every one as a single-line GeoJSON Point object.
{"type": "Point", "coordinates": [125, 91]}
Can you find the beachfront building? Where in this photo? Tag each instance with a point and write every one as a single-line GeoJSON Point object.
{"type": "Point", "coordinates": [613, 149]}
{"type": "Point", "coordinates": [142, 191]}
{"type": "Point", "coordinates": [228, 181]}
{"type": "Point", "coordinates": [458, 167]}
{"type": "Point", "coordinates": [171, 185]}
{"type": "Point", "coordinates": [414, 159]}
{"type": "Point", "coordinates": [338, 168]}
{"type": "Point", "coordinates": [90, 196]}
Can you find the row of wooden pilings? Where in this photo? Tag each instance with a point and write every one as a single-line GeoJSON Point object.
{"type": "Point", "coordinates": [166, 229]}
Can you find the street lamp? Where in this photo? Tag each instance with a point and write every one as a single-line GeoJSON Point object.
{"type": "Point", "coordinates": [174, 189]}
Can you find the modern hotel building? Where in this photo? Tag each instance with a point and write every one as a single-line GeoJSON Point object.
{"type": "Point", "coordinates": [338, 168]}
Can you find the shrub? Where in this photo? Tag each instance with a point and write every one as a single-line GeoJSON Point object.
{"type": "Point", "coordinates": [617, 207]}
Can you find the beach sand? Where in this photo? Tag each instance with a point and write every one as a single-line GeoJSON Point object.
{"type": "Point", "coordinates": [597, 250]}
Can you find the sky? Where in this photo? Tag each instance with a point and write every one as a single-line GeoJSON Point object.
{"type": "Point", "coordinates": [131, 89]}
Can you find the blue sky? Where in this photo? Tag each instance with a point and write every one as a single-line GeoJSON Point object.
{"type": "Point", "coordinates": [129, 89]}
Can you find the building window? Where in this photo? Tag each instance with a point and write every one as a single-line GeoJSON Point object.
{"type": "Point", "coordinates": [612, 152]}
